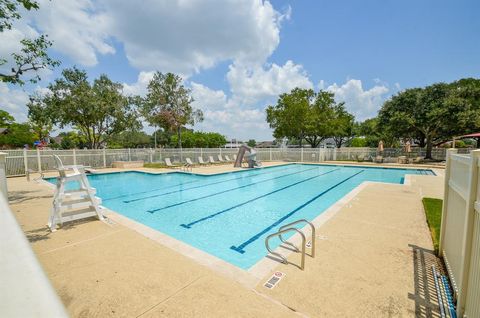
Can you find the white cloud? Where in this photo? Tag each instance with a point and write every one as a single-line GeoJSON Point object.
{"type": "Point", "coordinates": [362, 103]}
{"type": "Point", "coordinates": [140, 86]}
{"type": "Point", "coordinates": [250, 85]}
{"type": "Point", "coordinates": [77, 28]}
{"type": "Point", "coordinates": [208, 99]}
{"type": "Point", "coordinates": [242, 115]}
{"type": "Point", "coordinates": [14, 101]}
{"type": "Point", "coordinates": [187, 36]}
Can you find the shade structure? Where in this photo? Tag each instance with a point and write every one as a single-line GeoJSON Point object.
{"type": "Point", "coordinates": [475, 135]}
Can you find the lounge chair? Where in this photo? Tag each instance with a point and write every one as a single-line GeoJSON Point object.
{"type": "Point", "coordinates": [220, 159]}
{"type": "Point", "coordinates": [189, 162]}
{"type": "Point", "coordinates": [378, 159]}
{"type": "Point", "coordinates": [201, 162]}
{"type": "Point", "coordinates": [234, 157]}
{"type": "Point", "coordinates": [170, 165]}
{"type": "Point", "coordinates": [227, 158]}
{"type": "Point", "coordinates": [402, 159]}
{"type": "Point", "coordinates": [210, 160]}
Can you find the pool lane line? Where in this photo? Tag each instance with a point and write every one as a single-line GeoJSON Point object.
{"type": "Point", "coordinates": [158, 189]}
{"type": "Point", "coordinates": [240, 248]}
{"type": "Point", "coordinates": [228, 190]}
{"type": "Point", "coordinates": [205, 185]}
{"type": "Point", "coordinates": [189, 225]}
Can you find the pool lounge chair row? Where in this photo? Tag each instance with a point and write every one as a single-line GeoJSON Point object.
{"type": "Point", "coordinates": [189, 163]}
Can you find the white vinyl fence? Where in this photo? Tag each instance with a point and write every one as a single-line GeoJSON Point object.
{"type": "Point", "coordinates": [460, 234]}
{"type": "Point", "coordinates": [19, 162]}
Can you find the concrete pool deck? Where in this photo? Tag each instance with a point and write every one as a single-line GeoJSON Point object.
{"type": "Point", "coordinates": [364, 264]}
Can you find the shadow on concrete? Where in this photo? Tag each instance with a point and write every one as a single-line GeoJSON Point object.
{"type": "Point", "coordinates": [425, 295]}
{"type": "Point", "coordinates": [15, 197]}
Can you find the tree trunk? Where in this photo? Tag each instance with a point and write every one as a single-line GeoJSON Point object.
{"type": "Point", "coordinates": [179, 135]}
{"type": "Point", "coordinates": [428, 154]}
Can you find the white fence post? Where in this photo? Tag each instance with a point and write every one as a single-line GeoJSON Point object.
{"type": "Point", "coordinates": [319, 154]}
{"type": "Point", "coordinates": [301, 155]}
{"type": "Point", "coordinates": [468, 229]}
{"type": "Point", "coordinates": [334, 154]}
{"type": "Point", "coordinates": [3, 175]}
{"type": "Point", "coordinates": [39, 161]}
{"type": "Point", "coordinates": [25, 161]}
{"type": "Point", "coordinates": [129, 155]}
{"type": "Point", "coordinates": [74, 157]}
{"type": "Point", "coordinates": [270, 154]}
{"type": "Point", "coordinates": [448, 166]}
{"type": "Point", "coordinates": [104, 153]}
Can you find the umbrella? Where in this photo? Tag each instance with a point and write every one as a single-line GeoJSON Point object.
{"type": "Point", "coordinates": [380, 146]}
{"type": "Point", "coordinates": [408, 147]}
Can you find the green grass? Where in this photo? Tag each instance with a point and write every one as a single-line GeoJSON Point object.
{"type": "Point", "coordinates": [433, 211]}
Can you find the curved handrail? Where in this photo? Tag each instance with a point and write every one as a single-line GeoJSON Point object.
{"type": "Point", "coordinates": [294, 223]}
{"type": "Point", "coordinates": [283, 258]}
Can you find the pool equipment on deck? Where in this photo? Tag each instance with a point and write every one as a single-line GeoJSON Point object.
{"type": "Point", "coordinates": [70, 205]}
{"type": "Point", "coordinates": [251, 154]}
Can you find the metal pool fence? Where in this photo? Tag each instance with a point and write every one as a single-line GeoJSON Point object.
{"type": "Point", "coordinates": [19, 162]}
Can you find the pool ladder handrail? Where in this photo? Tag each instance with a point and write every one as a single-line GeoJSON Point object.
{"type": "Point", "coordinates": [292, 245]}
{"type": "Point", "coordinates": [288, 228]}
{"type": "Point", "coordinates": [283, 258]}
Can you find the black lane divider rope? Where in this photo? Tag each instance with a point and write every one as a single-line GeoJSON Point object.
{"type": "Point", "coordinates": [189, 225]}
{"type": "Point", "coordinates": [225, 191]}
{"type": "Point", "coordinates": [205, 185]}
{"type": "Point", "coordinates": [240, 248]}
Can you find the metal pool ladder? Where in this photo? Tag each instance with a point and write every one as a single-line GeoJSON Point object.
{"type": "Point", "coordinates": [289, 228]}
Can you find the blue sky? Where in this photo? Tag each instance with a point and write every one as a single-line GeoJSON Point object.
{"type": "Point", "coordinates": [238, 56]}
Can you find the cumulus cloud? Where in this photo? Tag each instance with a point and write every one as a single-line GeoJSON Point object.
{"type": "Point", "coordinates": [250, 85]}
{"type": "Point", "coordinates": [188, 36]}
{"type": "Point", "coordinates": [362, 103]}
{"type": "Point", "coordinates": [14, 101]}
{"type": "Point", "coordinates": [140, 86]}
{"type": "Point", "coordinates": [242, 113]}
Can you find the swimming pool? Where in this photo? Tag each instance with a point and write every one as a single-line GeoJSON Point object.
{"type": "Point", "coordinates": [228, 215]}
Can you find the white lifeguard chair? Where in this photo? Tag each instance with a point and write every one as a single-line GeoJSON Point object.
{"type": "Point", "coordinates": [76, 204]}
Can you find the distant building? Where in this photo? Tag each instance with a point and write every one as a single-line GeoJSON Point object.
{"type": "Point", "coordinates": [267, 144]}
{"type": "Point", "coordinates": [3, 131]}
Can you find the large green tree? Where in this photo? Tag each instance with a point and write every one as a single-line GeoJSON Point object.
{"type": "Point", "coordinates": [39, 117]}
{"type": "Point", "coordinates": [5, 119]}
{"type": "Point", "coordinates": [168, 104]}
{"type": "Point", "coordinates": [33, 55]}
{"type": "Point", "coordinates": [97, 110]}
{"type": "Point", "coordinates": [303, 114]}
{"type": "Point", "coordinates": [434, 114]}
{"type": "Point", "coordinates": [343, 125]}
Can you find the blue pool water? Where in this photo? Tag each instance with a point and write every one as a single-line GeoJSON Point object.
{"type": "Point", "coordinates": [229, 215]}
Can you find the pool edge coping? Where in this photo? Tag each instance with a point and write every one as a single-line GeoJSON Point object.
{"type": "Point", "coordinates": [251, 277]}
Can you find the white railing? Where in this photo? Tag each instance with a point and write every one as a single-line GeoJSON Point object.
{"type": "Point", "coordinates": [19, 162]}
{"type": "Point", "coordinates": [460, 233]}
{"type": "Point", "coordinates": [25, 289]}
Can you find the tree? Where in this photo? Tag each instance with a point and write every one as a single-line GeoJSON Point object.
{"type": "Point", "coordinates": [168, 104]}
{"type": "Point", "coordinates": [200, 139]}
{"type": "Point", "coordinates": [5, 119]}
{"type": "Point", "coordinates": [33, 54]}
{"type": "Point", "coordinates": [130, 139]}
{"type": "Point", "coordinates": [98, 111]}
{"type": "Point", "coordinates": [18, 135]}
{"type": "Point", "coordinates": [39, 118]}
{"type": "Point", "coordinates": [433, 114]}
{"type": "Point", "coordinates": [343, 125]}
{"type": "Point", "coordinates": [251, 143]}
{"type": "Point", "coordinates": [303, 114]}
{"type": "Point", "coordinates": [71, 140]}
